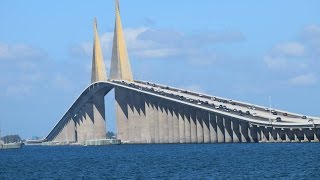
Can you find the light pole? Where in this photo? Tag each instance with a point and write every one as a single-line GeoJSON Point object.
{"type": "Point", "coordinates": [270, 109]}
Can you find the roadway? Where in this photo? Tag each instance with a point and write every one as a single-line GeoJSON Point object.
{"type": "Point", "coordinates": [218, 104]}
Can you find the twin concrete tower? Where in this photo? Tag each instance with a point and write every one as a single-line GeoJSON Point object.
{"type": "Point", "coordinates": [120, 70]}
{"type": "Point", "coordinates": [120, 65]}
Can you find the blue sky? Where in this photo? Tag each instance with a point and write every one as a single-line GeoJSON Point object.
{"type": "Point", "coordinates": [245, 50]}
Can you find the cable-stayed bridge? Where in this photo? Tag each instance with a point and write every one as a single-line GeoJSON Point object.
{"type": "Point", "coordinates": [153, 113]}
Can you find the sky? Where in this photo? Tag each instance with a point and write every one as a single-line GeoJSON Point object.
{"type": "Point", "coordinates": [243, 50]}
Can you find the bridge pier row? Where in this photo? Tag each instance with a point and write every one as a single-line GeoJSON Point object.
{"type": "Point", "coordinates": [206, 127]}
{"type": "Point", "coordinates": [220, 128]}
{"type": "Point", "coordinates": [263, 134]}
{"type": "Point", "coordinates": [67, 134]}
{"type": "Point", "coordinates": [281, 135]}
{"type": "Point", "coordinates": [235, 130]}
{"type": "Point", "coordinates": [213, 128]}
{"type": "Point", "coordinates": [227, 129]}
{"type": "Point", "coordinates": [182, 136]}
{"type": "Point", "coordinates": [193, 124]}
{"type": "Point", "coordinates": [187, 124]}
{"type": "Point", "coordinates": [199, 126]}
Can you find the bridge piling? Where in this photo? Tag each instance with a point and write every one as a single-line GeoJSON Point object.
{"type": "Point", "coordinates": [213, 128]}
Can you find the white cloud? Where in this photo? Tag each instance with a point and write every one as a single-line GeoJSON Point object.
{"type": "Point", "coordinates": [291, 49]}
{"type": "Point", "coordinates": [19, 90]}
{"type": "Point", "coordinates": [146, 43]}
{"type": "Point", "coordinates": [276, 63]}
{"type": "Point", "coordinates": [303, 80]}
{"type": "Point", "coordinates": [311, 37]}
{"type": "Point", "coordinates": [20, 52]}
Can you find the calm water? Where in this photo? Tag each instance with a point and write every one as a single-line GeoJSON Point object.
{"type": "Point", "coordinates": [174, 161]}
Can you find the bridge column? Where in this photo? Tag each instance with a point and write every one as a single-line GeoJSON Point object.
{"type": "Point", "coordinates": [264, 134]}
{"type": "Point", "coordinates": [294, 135]}
{"type": "Point", "coordinates": [272, 135]}
{"type": "Point", "coordinates": [99, 116]}
{"type": "Point", "coordinates": [300, 134]}
{"type": "Point", "coordinates": [213, 128]}
{"type": "Point", "coordinates": [193, 124]}
{"type": "Point", "coordinates": [170, 124]}
{"type": "Point", "coordinates": [187, 125]}
{"type": "Point", "coordinates": [150, 119]}
{"type": "Point", "coordinates": [252, 133]}
{"type": "Point", "coordinates": [235, 130]}
{"type": "Point", "coordinates": [316, 135]}
{"type": "Point", "coordinates": [206, 127]}
{"type": "Point", "coordinates": [166, 123]}
{"type": "Point", "coordinates": [199, 126]}
{"type": "Point", "coordinates": [182, 137]}
{"type": "Point", "coordinates": [220, 128]}
{"type": "Point", "coordinates": [286, 135]}
{"type": "Point", "coordinates": [80, 128]}
{"type": "Point", "coordinates": [122, 108]}
{"type": "Point", "coordinates": [244, 131]}
{"type": "Point", "coordinates": [280, 135]}
{"type": "Point", "coordinates": [156, 120]}
{"type": "Point", "coordinates": [227, 129]}
{"type": "Point", "coordinates": [176, 135]}
{"type": "Point", "coordinates": [163, 119]}
{"type": "Point", "coordinates": [145, 134]}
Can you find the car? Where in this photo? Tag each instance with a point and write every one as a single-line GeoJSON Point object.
{"type": "Point", "coordinates": [200, 95]}
{"type": "Point", "coordinates": [304, 117]}
{"type": "Point", "coordinates": [225, 101]}
{"type": "Point", "coordinates": [254, 114]}
{"type": "Point", "coordinates": [233, 103]}
{"type": "Point", "coordinates": [213, 98]}
{"type": "Point", "coordinates": [247, 112]}
{"type": "Point", "coordinates": [249, 107]}
{"type": "Point", "coordinates": [285, 114]}
{"type": "Point", "coordinates": [179, 91]}
{"type": "Point", "coordinates": [278, 119]}
{"type": "Point", "coordinates": [217, 107]}
{"type": "Point", "coordinates": [219, 100]}
{"type": "Point", "coordinates": [191, 100]}
{"type": "Point", "coordinates": [274, 112]}
{"type": "Point", "coordinates": [235, 110]}
{"type": "Point", "coordinates": [167, 87]}
{"type": "Point", "coordinates": [226, 109]}
{"type": "Point", "coordinates": [220, 106]}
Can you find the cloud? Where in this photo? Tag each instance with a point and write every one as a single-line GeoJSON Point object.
{"type": "Point", "coordinates": [303, 80]}
{"type": "Point", "coordinates": [311, 37]}
{"type": "Point", "coordinates": [290, 49]}
{"type": "Point", "coordinates": [20, 52]}
{"type": "Point", "coordinates": [18, 90]}
{"type": "Point", "coordinates": [276, 63]}
{"type": "Point", "coordinates": [147, 43]}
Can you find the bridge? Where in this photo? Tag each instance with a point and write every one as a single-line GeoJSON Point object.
{"type": "Point", "coordinates": [153, 113]}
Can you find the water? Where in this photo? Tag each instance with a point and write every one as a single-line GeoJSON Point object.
{"type": "Point", "coordinates": [168, 161]}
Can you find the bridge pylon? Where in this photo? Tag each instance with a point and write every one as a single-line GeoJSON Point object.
{"type": "Point", "coordinates": [120, 64]}
{"type": "Point", "coordinates": [98, 72]}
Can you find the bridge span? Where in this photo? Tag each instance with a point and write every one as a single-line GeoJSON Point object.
{"type": "Point", "coordinates": [153, 113]}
